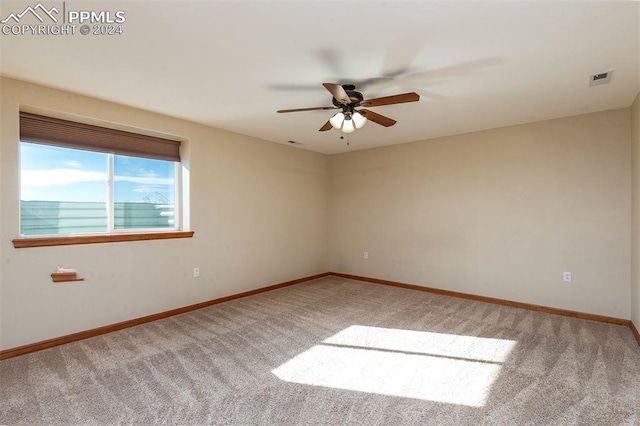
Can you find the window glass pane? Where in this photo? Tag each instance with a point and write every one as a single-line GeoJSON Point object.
{"type": "Point", "coordinates": [144, 193]}
{"type": "Point", "coordinates": [62, 191]}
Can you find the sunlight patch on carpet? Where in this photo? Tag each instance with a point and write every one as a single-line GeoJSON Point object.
{"type": "Point", "coordinates": [436, 367]}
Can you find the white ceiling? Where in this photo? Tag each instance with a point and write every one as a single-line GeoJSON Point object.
{"type": "Point", "coordinates": [232, 64]}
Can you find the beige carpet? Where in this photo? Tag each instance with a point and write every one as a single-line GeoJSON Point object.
{"type": "Point", "coordinates": [336, 351]}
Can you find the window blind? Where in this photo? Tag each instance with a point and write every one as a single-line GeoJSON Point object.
{"type": "Point", "coordinates": [70, 134]}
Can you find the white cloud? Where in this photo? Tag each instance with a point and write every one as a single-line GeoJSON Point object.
{"type": "Point", "coordinates": [148, 189]}
{"type": "Point", "coordinates": [59, 177]}
{"type": "Point", "coordinates": [73, 163]}
{"type": "Point", "coordinates": [145, 180]}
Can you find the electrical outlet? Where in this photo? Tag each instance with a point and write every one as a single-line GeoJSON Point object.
{"type": "Point", "coordinates": [196, 272]}
{"type": "Point", "coordinates": [365, 255]}
{"type": "Point", "coordinates": [567, 277]}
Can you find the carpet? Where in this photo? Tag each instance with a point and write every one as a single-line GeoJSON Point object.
{"type": "Point", "coordinates": [336, 351]}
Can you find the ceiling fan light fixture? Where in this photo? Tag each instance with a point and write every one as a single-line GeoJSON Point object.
{"type": "Point", "coordinates": [337, 120]}
{"type": "Point", "coordinates": [348, 126]}
{"type": "Point", "coordinates": [359, 120]}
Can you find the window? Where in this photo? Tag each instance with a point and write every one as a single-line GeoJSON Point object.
{"type": "Point", "coordinates": [78, 179]}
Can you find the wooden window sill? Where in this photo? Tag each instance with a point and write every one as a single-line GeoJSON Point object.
{"type": "Point", "coordinates": [93, 239]}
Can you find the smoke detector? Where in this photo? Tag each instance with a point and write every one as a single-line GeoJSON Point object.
{"type": "Point", "coordinates": [600, 78]}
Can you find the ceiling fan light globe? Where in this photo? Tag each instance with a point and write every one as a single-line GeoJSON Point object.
{"type": "Point", "coordinates": [337, 120]}
{"type": "Point", "coordinates": [359, 120]}
{"type": "Point", "coordinates": [348, 127]}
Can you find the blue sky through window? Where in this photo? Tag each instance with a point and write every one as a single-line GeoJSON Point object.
{"type": "Point", "coordinates": [142, 179]}
{"type": "Point", "coordinates": [51, 173]}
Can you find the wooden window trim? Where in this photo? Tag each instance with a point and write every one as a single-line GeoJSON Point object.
{"type": "Point", "coordinates": [93, 239]}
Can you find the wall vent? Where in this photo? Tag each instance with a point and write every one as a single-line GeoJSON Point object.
{"type": "Point", "coordinates": [600, 78]}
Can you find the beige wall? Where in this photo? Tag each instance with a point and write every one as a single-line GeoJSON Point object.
{"type": "Point", "coordinates": [500, 213]}
{"type": "Point", "coordinates": [635, 213]}
{"type": "Point", "coordinates": [497, 213]}
{"type": "Point", "coordinates": [258, 209]}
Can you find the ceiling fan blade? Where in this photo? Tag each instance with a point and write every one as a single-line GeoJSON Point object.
{"type": "Point", "coordinates": [327, 126]}
{"type": "Point", "coordinates": [377, 118]}
{"type": "Point", "coordinates": [460, 69]}
{"type": "Point", "coordinates": [338, 92]}
{"type": "Point", "coordinates": [390, 100]}
{"type": "Point", "coordinates": [306, 109]}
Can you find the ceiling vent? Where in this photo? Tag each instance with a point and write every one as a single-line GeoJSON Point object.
{"type": "Point", "coordinates": [600, 78]}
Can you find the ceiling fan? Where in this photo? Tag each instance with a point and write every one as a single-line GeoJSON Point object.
{"type": "Point", "coordinates": [346, 98]}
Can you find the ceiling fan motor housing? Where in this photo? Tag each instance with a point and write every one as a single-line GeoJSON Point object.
{"type": "Point", "coordinates": [354, 96]}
